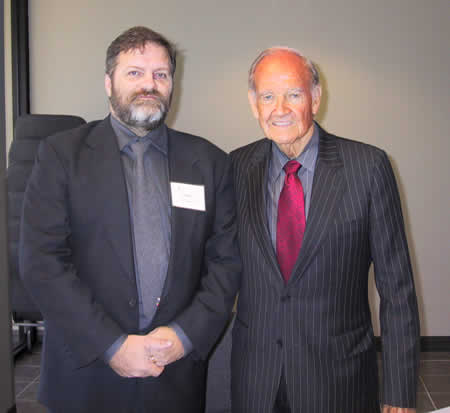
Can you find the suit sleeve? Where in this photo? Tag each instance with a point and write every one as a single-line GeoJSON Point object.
{"type": "Point", "coordinates": [204, 320]}
{"type": "Point", "coordinates": [47, 268]}
{"type": "Point", "coordinates": [399, 317]}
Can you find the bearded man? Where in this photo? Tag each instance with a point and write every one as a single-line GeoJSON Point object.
{"type": "Point", "coordinates": [128, 246]}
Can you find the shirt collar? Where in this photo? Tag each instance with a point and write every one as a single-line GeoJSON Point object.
{"type": "Point", "coordinates": [125, 137]}
{"type": "Point", "coordinates": [307, 158]}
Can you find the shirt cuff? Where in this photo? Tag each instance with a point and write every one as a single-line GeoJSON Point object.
{"type": "Point", "coordinates": [109, 353]}
{"type": "Point", "coordinates": [185, 341]}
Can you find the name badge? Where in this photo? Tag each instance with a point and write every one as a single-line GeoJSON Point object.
{"type": "Point", "coordinates": [188, 196]}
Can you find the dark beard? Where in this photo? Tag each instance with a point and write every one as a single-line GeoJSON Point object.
{"type": "Point", "coordinates": [128, 112]}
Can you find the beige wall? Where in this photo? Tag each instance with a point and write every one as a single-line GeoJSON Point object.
{"type": "Point", "coordinates": [385, 67]}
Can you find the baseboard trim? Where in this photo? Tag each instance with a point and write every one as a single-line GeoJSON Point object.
{"type": "Point", "coordinates": [427, 343]}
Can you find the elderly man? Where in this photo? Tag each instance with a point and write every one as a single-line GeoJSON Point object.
{"type": "Point", "coordinates": [128, 246]}
{"type": "Point", "coordinates": [314, 211]}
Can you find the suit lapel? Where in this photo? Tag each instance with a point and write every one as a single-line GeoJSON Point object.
{"type": "Point", "coordinates": [328, 188]}
{"type": "Point", "coordinates": [106, 175]}
{"type": "Point", "coordinates": [181, 169]}
{"type": "Point", "coordinates": [257, 188]}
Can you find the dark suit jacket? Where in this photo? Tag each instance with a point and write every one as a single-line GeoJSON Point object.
{"type": "Point", "coordinates": [318, 327]}
{"type": "Point", "coordinates": [77, 262]}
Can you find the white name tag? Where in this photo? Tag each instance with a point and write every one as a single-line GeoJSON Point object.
{"type": "Point", "coordinates": [188, 196]}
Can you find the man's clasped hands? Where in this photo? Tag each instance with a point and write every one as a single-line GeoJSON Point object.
{"type": "Point", "coordinates": [147, 355]}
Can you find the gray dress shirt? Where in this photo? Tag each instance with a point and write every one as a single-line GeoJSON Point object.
{"type": "Point", "coordinates": [156, 166]}
{"type": "Point", "coordinates": [276, 175]}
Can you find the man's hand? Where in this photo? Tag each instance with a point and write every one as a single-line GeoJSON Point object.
{"type": "Point", "coordinates": [133, 357]}
{"type": "Point", "coordinates": [391, 409]}
{"type": "Point", "coordinates": [164, 356]}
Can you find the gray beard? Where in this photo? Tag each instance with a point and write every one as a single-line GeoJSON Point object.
{"type": "Point", "coordinates": [137, 116]}
{"type": "Point", "coordinates": [146, 116]}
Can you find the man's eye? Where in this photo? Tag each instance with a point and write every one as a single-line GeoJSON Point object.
{"type": "Point", "coordinates": [294, 95]}
{"type": "Point", "coordinates": [161, 75]}
{"type": "Point", "coordinates": [266, 98]}
{"type": "Point", "coordinates": [134, 73]}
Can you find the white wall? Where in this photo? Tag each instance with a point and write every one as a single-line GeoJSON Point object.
{"type": "Point", "coordinates": [385, 67]}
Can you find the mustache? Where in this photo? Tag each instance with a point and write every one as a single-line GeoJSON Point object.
{"type": "Point", "coordinates": [147, 92]}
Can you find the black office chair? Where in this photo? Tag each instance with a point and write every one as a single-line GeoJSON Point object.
{"type": "Point", "coordinates": [29, 131]}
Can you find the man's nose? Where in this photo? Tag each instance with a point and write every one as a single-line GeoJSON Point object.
{"type": "Point", "coordinates": [280, 106]}
{"type": "Point", "coordinates": [148, 82]}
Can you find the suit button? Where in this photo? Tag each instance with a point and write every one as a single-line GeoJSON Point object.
{"type": "Point", "coordinates": [132, 302]}
{"type": "Point", "coordinates": [285, 298]}
{"type": "Point", "coordinates": [280, 343]}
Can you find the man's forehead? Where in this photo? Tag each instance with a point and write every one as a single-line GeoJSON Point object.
{"type": "Point", "coordinates": [287, 73]}
{"type": "Point", "coordinates": [282, 64]}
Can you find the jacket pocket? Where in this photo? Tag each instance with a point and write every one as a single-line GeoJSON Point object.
{"type": "Point", "coordinates": [352, 344]}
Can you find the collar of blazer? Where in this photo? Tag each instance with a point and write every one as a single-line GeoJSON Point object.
{"type": "Point", "coordinates": [328, 187]}
{"type": "Point", "coordinates": [181, 153]}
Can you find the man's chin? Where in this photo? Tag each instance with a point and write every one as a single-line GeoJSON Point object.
{"type": "Point", "coordinates": [148, 123]}
{"type": "Point", "coordinates": [287, 139]}
{"type": "Point", "coordinates": [142, 113]}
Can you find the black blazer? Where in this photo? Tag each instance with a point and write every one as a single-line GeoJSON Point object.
{"type": "Point", "coordinates": [77, 262]}
{"type": "Point", "coordinates": [318, 327]}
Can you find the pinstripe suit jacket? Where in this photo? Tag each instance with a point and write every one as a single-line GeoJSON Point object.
{"type": "Point", "coordinates": [318, 327]}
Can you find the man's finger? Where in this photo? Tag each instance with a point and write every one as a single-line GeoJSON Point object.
{"type": "Point", "coordinates": [159, 343]}
{"type": "Point", "coordinates": [161, 363]}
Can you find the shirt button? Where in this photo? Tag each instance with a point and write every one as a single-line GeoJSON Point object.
{"type": "Point", "coordinates": [132, 302]}
{"type": "Point", "coordinates": [280, 343]}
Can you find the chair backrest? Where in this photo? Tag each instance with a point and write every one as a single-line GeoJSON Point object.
{"type": "Point", "coordinates": [28, 133]}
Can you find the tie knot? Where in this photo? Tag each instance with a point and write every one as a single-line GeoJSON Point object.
{"type": "Point", "coordinates": [139, 149]}
{"type": "Point", "coordinates": [291, 167]}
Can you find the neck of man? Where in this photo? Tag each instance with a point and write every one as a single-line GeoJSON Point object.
{"type": "Point", "coordinates": [293, 150]}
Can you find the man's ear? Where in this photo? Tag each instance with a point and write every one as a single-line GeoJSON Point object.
{"type": "Point", "coordinates": [252, 100]}
{"type": "Point", "coordinates": [108, 85]}
{"type": "Point", "coordinates": [316, 98]}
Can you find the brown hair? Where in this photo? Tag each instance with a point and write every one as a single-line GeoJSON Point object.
{"type": "Point", "coordinates": [137, 38]}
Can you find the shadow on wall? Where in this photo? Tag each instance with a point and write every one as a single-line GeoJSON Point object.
{"type": "Point", "coordinates": [412, 247]}
{"type": "Point", "coordinates": [177, 91]}
{"type": "Point", "coordinates": [372, 291]}
{"type": "Point", "coordinates": [323, 109]}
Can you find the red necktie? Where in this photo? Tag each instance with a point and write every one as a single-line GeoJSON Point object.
{"type": "Point", "coordinates": [291, 220]}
